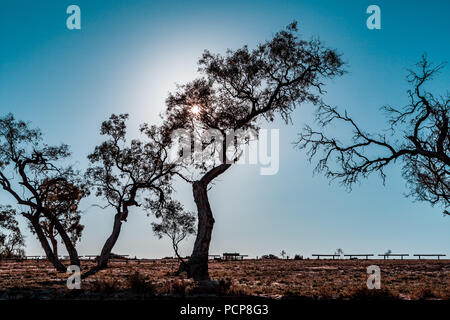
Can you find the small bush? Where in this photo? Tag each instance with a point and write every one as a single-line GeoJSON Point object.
{"type": "Point", "coordinates": [425, 293]}
{"type": "Point", "coordinates": [375, 294]}
{"type": "Point", "coordinates": [140, 284]}
{"type": "Point", "coordinates": [106, 286]}
{"type": "Point", "coordinates": [179, 287]}
{"type": "Point", "coordinates": [223, 287]}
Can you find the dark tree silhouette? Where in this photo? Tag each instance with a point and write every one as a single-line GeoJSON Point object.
{"type": "Point", "coordinates": [175, 223]}
{"type": "Point", "coordinates": [11, 242]}
{"type": "Point", "coordinates": [236, 91]}
{"type": "Point", "coordinates": [63, 199]}
{"type": "Point", "coordinates": [129, 175]}
{"type": "Point", "coordinates": [28, 169]}
{"type": "Point", "coordinates": [419, 137]}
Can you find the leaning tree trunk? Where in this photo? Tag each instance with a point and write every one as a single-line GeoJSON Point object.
{"type": "Point", "coordinates": [197, 266]}
{"type": "Point", "coordinates": [198, 262]}
{"type": "Point", "coordinates": [45, 245]}
{"type": "Point", "coordinates": [103, 258]}
{"type": "Point", "coordinates": [110, 242]}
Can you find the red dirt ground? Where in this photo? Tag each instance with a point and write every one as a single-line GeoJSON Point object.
{"type": "Point", "coordinates": [313, 279]}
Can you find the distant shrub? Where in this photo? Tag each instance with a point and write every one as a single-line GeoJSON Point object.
{"type": "Point", "coordinates": [298, 257]}
{"type": "Point", "coordinates": [18, 255]}
{"type": "Point", "coordinates": [269, 256]}
{"type": "Point", "coordinates": [117, 257]}
{"type": "Point", "coordinates": [11, 239]}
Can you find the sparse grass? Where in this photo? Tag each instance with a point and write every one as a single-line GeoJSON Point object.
{"type": "Point", "coordinates": [273, 278]}
{"type": "Point", "coordinates": [374, 294]}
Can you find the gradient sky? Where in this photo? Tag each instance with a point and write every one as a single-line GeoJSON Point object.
{"type": "Point", "coordinates": [129, 55]}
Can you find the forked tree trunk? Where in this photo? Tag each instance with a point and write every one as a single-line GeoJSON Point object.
{"type": "Point", "coordinates": [45, 245]}
{"type": "Point", "coordinates": [53, 240]}
{"type": "Point", "coordinates": [197, 266]}
{"type": "Point", "coordinates": [71, 250]}
{"type": "Point", "coordinates": [183, 265]}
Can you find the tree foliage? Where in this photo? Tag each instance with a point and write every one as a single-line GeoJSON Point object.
{"type": "Point", "coordinates": [11, 240]}
{"type": "Point", "coordinates": [63, 199]}
{"type": "Point", "coordinates": [418, 136]}
{"type": "Point", "coordinates": [240, 88]}
{"type": "Point", "coordinates": [222, 110]}
{"type": "Point", "coordinates": [118, 171]}
{"type": "Point", "coordinates": [176, 224]}
{"type": "Point", "coordinates": [130, 174]}
{"type": "Point", "coordinates": [32, 173]}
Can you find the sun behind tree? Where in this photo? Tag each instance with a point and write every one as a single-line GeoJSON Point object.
{"type": "Point", "coordinates": [195, 110]}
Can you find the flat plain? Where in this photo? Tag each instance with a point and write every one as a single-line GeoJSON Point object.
{"type": "Point", "coordinates": [267, 279]}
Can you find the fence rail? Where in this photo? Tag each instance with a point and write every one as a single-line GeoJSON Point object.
{"type": "Point", "coordinates": [438, 255]}
{"type": "Point", "coordinates": [387, 255]}
{"type": "Point", "coordinates": [325, 255]}
{"type": "Point", "coordinates": [367, 255]}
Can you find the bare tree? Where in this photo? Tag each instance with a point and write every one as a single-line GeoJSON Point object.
{"type": "Point", "coordinates": [26, 165]}
{"type": "Point", "coordinates": [176, 224]}
{"type": "Point", "coordinates": [418, 136]}
{"type": "Point", "coordinates": [236, 91]}
{"type": "Point", "coordinates": [11, 242]}
{"type": "Point", "coordinates": [128, 175]}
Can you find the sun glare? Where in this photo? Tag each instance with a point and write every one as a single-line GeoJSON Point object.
{"type": "Point", "coordinates": [195, 110]}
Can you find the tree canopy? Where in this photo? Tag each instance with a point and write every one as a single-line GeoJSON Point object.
{"type": "Point", "coordinates": [417, 135]}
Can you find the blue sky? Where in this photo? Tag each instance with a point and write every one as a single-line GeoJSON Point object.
{"type": "Point", "coordinates": [129, 55]}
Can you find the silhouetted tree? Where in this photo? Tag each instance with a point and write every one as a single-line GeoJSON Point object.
{"type": "Point", "coordinates": [236, 91]}
{"type": "Point", "coordinates": [419, 137]}
{"type": "Point", "coordinates": [175, 223]}
{"type": "Point", "coordinates": [129, 175]}
{"type": "Point", "coordinates": [11, 242]}
{"type": "Point", "coordinates": [26, 165]}
{"type": "Point", "coordinates": [339, 252]}
{"type": "Point", "coordinates": [63, 199]}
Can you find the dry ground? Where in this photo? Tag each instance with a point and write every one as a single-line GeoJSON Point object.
{"type": "Point", "coordinates": [308, 279]}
